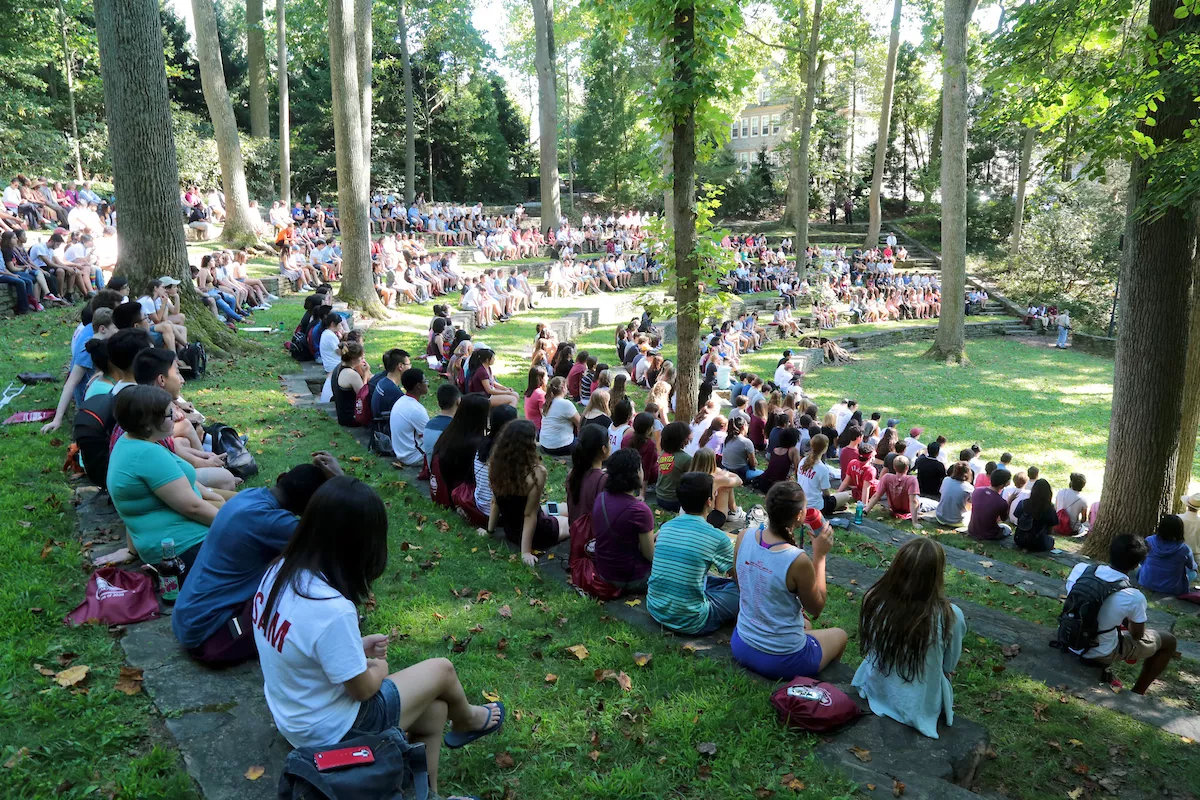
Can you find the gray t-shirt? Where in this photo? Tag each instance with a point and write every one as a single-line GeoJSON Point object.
{"type": "Point", "coordinates": [737, 453]}
{"type": "Point", "coordinates": [953, 504]}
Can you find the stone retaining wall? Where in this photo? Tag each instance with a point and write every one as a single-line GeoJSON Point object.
{"type": "Point", "coordinates": [1100, 345]}
{"type": "Point", "coordinates": [877, 339]}
{"type": "Point", "coordinates": [8, 300]}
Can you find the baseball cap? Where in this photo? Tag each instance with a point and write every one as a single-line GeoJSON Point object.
{"type": "Point", "coordinates": [892, 422]}
{"type": "Point", "coordinates": [167, 280]}
{"type": "Point", "coordinates": [915, 432]}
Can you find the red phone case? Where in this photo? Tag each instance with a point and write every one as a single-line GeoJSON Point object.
{"type": "Point", "coordinates": [346, 757]}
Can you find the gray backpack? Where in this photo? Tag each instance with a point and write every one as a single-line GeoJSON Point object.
{"type": "Point", "coordinates": [382, 766]}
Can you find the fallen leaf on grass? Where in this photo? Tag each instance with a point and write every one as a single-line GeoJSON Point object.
{"type": "Point", "coordinates": [72, 676]}
{"type": "Point", "coordinates": [707, 748]}
{"type": "Point", "coordinates": [594, 755]}
{"type": "Point", "coordinates": [502, 644]}
{"type": "Point", "coordinates": [438, 617]}
{"type": "Point", "coordinates": [579, 651]}
{"type": "Point", "coordinates": [897, 788]}
{"type": "Point", "coordinates": [705, 772]}
{"type": "Point", "coordinates": [861, 753]}
{"type": "Point", "coordinates": [505, 761]}
{"type": "Point", "coordinates": [475, 629]}
{"type": "Point", "coordinates": [1011, 650]}
{"type": "Point", "coordinates": [255, 772]}
{"type": "Point", "coordinates": [1039, 711]}
{"type": "Point", "coordinates": [506, 612]}
{"type": "Point", "coordinates": [44, 671]}
{"type": "Point", "coordinates": [130, 681]}
{"type": "Point", "coordinates": [634, 602]}
{"type": "Point", "coordinates": [16, 758]}
{"type": "Point", "coordinates": [1081, 769]}
{"type": "Point", "coordinates": [1075, 793]}
{"type": "Point", "coordinates": [551, 678]}
{"type": "Point", "coordinates": [642, 659]}
{"type": "Point", "coordinates": [1074, 742]}
{"type": "Point", "coordinates": [491, 697]}
{"type": "Point", "coordinates": [763, 793]}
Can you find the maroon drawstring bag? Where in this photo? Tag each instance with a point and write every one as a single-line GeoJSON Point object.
{"type": "Point", "coordinates": [812, 705]}
{"type": "Point", "coordinates": [115, 597]}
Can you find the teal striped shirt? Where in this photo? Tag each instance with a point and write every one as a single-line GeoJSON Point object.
{"type": "Point", "coordinates": [684, 551]}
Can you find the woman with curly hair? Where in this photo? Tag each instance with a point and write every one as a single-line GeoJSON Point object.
{"type": "Point", "coordinates": [911, 639]}
{"type": "Point", "coordinates": [518, 477]}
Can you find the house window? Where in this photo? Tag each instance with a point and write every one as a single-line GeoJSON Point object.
{"type": "Point", "coordinates": [774, 123]}
{"type": "Point", "coordinates": [754, 126]}
{"type": "Point", "coordinates": [735, 130]}
{"type": "Point", "coordinates": [766, 124]}
{"type": "Point", "coordinates": [745, 128]}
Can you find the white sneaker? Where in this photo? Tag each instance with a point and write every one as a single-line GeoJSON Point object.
{"type": "Point", "coordinates": [272, 296]}
{"type": "Point", "coordinates": [737, 516]}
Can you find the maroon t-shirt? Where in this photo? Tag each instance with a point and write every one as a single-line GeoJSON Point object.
{"type": "Point", "coordinates": [618, 520]}
{"type": "Point", "coordinates": [573, 379]}
{"type": "Point", "coordinates": [649, 452]}
{"type": "Point", "coordinates": [988, 508]}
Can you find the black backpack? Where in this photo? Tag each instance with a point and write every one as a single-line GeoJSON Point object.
{"type": "Point", "coordinates": [93, 427]}
{"type": "Point", "coordinates": [238, 460]}
{"type": "Point", "coordinates": [1078, 624]}
{"type": "Point", "coordinates": [381, 766]}
{"type": "Point", "coordinates": [195, 359]}
{"type": "Point", "coordinates": [298, 345]}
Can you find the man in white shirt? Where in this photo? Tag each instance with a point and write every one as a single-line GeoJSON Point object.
{"type": "Point", "coordinates": [408, 420]}
{"type": "Point", "coordinates": [913, 445]}
{"type": "Point", "coordinates": [1126, 606]}
{"type": "Point", "coordinates": [891, 240]}
{"type": "Point", "coordinates": [783, 373]}
{"type": "Point", "coordinates": [843, 412]}
{"type": "Point", "coordinates": [1191, 522]}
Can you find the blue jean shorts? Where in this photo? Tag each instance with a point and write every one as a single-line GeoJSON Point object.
{"type": "Point", "coordinates": [378, 714]}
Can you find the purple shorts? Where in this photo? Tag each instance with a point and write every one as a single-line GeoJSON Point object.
{"type": "Point", "coordinates": [806, 661]}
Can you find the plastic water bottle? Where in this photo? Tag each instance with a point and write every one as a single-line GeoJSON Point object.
{"type": "Point", "coordinates": [170, 570]}
{"type": "Point", "coordinates": [858, 513]}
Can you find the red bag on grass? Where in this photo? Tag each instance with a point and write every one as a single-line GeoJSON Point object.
{"type": "Point", "coordinates": [463, 498]}
{"type": "Point", "coordinates": [583, 567]}
{"type": "Point", "coordinates": [439, 492]}
{"type": "Point", "coordinates": [115, 597]}
{"type": "Point", "coordinates": [813, 705]}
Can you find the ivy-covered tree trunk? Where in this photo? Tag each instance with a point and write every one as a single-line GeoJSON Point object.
{"type": "Point", "coordinates": [687, 267]}
{"type": "Point", "coordinates": [950, 343]}
{"type": "Point", "coordinates": [410, 125]}
{"type": "Point", "coordinates": [812, 76]}
{"type": "Point", "coordinates": [885, 118]}
{"type": "Point", "coordinates": [256, 55]}
{"type": "Point", "coordinates": [137, 110]}
{"type": "Point", "coordinates": [543, 31]}
{"type": "Point", "coordinates": [285, 109]}
{"type": "Point", "coordinates": [1156, 283]}
{"type": "Point", "coordinates": [239, 226]}
{"type": "Point", "coordinates": [353, 177]}
{"type": "Point", "coordinates": [1027, 142]}
{"type": "Point", "coordinates": [1190, 418]}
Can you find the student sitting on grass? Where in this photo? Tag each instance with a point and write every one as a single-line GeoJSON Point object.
{"type": "Point", "coordinates": [641, 438]}
{"type": "Point", "coordinates": [814, 477]}
{"type": "Point", "coordinates": [212, 617]}
{"type": "Point", "coordinates": [784, 461]}
{"type": "Point", "coordinates": [779, 583]}
{"type": "Point", "coordinates": [560, 420]}
{"type": "Point", "coordinates": [1170, 565]}
{"type": "Point", "coordinates": [500, 416]}
{"type": "Point", "coordinates": [408, 418]}
{"type": "Point", "coordinates": [325, 683]}
{"type": "Point", "coordinates": [954, 496]}
{"type": "Point", "coordinates": [681, 595]}
{"type": "Point", "coordinates": [737, 453]}
{"type": "Point", "coordinates": [859, 475]}
{"type": "Point", "coordinates": [900, 493]}
{"type": "Point", "coordinates": [911, 638]}
{"type": "Point", "coordinates": [1072, 505]}
{"type": "Point", "coordinates": [518, 477]}
{"type": "Point", "coordinates": [623, 524]}
{"type": "Point", "coordinates": [1125, 607]}
{"type": "Point", "coordinates": [725, 484]}
{"type": "Point", "coordinates": [989, 509]}
{"type": "Point", "coordinates": [587, 477]}
{"type": "Point", "coordinates": [456, 446]}
{"type": "Point", "coordinates": [1035, 519]}
{"type": "Point", "coordinates": [482, 381]}
{"type": "Point", "coordinates": [930, 471]}
{"type": "Point", "coordinates": [596, 412]}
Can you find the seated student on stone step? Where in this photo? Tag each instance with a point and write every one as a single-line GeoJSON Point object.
{"type": "Point", "coordinates": [911, 639]}
{"type": "Point", "coordinates": [1073, 502]}
{"type": "Point", "coordinates": [813, 475]}
{"type": "Point", "coordinates": [212, 617]}
{"type": "Point", "coordinates": [682, 596]}
{"type": "Point", "coordinates": [900, 492]}
{"type": "Point", "coordinates": [1170, 565]}
{"type": "Point", "coordinates": [623, 524]}
{"type": "Point", "coordinates": [1034, 519]}
{"type": "Point", "coordinates": [518, 477]}
{"type": "Point", "coordinates": [326, 683]}
{"type": "Point", "coordinates": [456, 446]}
{"type": "Point", "coordinates": [779, 585]}
{"type": "Point", "coordinates": [859, 476]}
{"type": "Point", "coordinates": [989, 509]}
{"type": "Point", "coordinates": [930, 471]}
{"type": "Point", "coordinates": [1121, 623]}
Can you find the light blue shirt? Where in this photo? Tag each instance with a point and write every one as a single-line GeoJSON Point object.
{"type": "Point", "coordinates": [920, 702]}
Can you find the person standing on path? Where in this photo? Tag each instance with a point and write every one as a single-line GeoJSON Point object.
{"type": "Point", "coordinates": [1063, 321]}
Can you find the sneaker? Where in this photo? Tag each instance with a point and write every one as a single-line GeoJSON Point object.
{"type": "Point", "coordinates": [737, 516]}
{"type": "Point", "coordinates": [272, 296]}
{"type": "Point", "coordinates": [51, 297]}
{"type": "Point", "coordinates": [35, 307]}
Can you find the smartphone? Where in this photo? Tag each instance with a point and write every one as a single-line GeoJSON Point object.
{"type": "Point", "coordinates": [346, 757]}
{"type": "Point", "coordinates": [553, 509]}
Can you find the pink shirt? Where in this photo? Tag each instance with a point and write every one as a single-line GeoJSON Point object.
{"type": "Point", "coordinates": [983, 480]}
{"type": "Point", "coordinates": [533, 407]}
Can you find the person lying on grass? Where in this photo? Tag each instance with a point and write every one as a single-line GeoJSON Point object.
{"type": "Point", "coordinates": [324, 682]}
{"type": "Point", "coordinates": [779, 585]}
{"type": "Point", "coordinates": [911, 638]}
{"type": "Point", "coordinates": [212, 617]}
{"type": "Point", "coordinates": [1121, 622]}
{"type": "Point", "coordinates": [518, 477]}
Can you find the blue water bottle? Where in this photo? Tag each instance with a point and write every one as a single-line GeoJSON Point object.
{"type": "Point", "coordinates": [858, 512]}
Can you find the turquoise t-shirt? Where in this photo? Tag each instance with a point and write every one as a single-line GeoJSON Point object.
{"type": "Point", "coordinates": [684, 551]}
{"type": "Point", "coordinates": [135, 469]}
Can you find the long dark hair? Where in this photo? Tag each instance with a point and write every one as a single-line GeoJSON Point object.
{"type": "Point", "coordinates": [886, 442]}
{"type": "Point", "coordinates": [500, 416]}
{"type": "Point", "coordinates": [905, 609]}
{"type": "Point", "coordinates": [466, 427]}
{"type": "Point", "coordinates": [643, 426]}
{"type": "Point", "coordinates": [592, 441]}
{"type": "Point", "coordinates": [349, 561]}
{"type": "Point", "coordinates": [537, 376]}
{"type": "Point", "coordinates": [785, 503]}
{"type": "Point", "coordinates": [516, 456]}
{"type": "Point", "coordinates": [1041, 498]}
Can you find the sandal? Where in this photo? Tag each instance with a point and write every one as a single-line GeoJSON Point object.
{"type": "Point", "coordinates": [455, 740]}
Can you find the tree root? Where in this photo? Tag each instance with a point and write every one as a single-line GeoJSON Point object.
{"type": "Point", "coordinates": [948, 357]}
{"type": "Point", "coordinates": [218, 340]}
{"type": "Point", "coordinates": [834, 354]}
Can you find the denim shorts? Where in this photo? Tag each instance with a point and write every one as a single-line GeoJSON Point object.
{"type": "Point", "coordinates": [378, 714]}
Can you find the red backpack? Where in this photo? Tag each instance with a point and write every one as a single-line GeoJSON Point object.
{"type": "Point", "coordinates": [362, 405]}
{"type": "Point", "coordinates": [1063, 528]}
{"type": "Point", "coordinates": [812, 705]}
{"type": "Point", "coordinates": [439, 492]}
{"type": "Point", "coordinates": [583, 564]}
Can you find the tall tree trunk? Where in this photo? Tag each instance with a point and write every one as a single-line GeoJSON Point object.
{"type": "Point", "coordinates": [1190, 419]}
{"type": "Point", "coordinates": [853, 123]}
{"type": "Point", "coordinates": [410, 125]}
{"type": "Point", "coordinates": [811, 78]}
{"type": "Point", "coordinates": [570, 155]}
{"type": "Point", "coordinates": [256, 54]}
{"type": "Point", "coordinates": [1014, 246]}
{"type": "Point", "coordinates": [239, 227]}
{"type": "Point", "coordinates": [285, 123]}
{"type": "Point", "coordinates": [364, 47]}
{"type": "Point", "coordinates": [949, 345]}
{"type": "Point", "coordinates": [935, 152]}
{"type": "Point", "coordinates": [668, 151]}
{"type": "Point", "coordinates": [687, 266]}
{"type": "Point", "coordinates": [69, 71]}
{"type": "Point", "coordinates": [885, 119]}
{"type": "Point", "coordinates": [353, 176]}
{"type": "Point", "coordinates": [1156, 282]}
{"type": "Point", "coordinates": [543, 31]}
{"type": "Point", "coordinates": [137, 110]}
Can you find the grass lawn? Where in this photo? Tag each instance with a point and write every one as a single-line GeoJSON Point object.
{"type": "Point", "coordinates": [566, 736]}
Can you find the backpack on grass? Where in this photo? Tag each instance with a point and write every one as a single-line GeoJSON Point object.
{"type": "Point", "coordinates": [382, 766]}
{"type": "Point", "coordinates": [238, 460]}
{"type": "Point", "coordinates": [1078, 624]}
{"type": "Point", "coordinates": [195, 359]}
{"type": "Point", "coordinates": [812, 705]}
